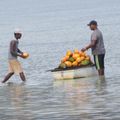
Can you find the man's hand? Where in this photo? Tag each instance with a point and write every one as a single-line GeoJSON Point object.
{"type": "Point", "coordinates": [21, 55]}
{"type": "Point", "coordinates": [83, 49]}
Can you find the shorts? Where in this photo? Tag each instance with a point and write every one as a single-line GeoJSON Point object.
{"type": "Point", "coordinates": [15, 67]}
{"type": "Point", "coordinates": [99, 61]}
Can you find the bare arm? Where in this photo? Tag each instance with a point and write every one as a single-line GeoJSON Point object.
{"type": "Point", "coordinates": [92, 44]}
{"type": "Point", "coordinates": [19, 51]}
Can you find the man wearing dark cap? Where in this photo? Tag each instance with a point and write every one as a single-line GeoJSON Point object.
{"type": "Point", "coordinates": [97, 46]}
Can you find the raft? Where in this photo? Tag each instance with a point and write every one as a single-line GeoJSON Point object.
{"type": "Point", "coordinates": [74, 73]}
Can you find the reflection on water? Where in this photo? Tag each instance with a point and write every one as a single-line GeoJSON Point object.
{"type": "Point", "coordinates": [18, 100]}
{"type": "Point", "coordinates": [78, 99]}
{"type": "Point", "coordinates": [82, 97]}
{"type": "Point", "coordinates": [101, 85]}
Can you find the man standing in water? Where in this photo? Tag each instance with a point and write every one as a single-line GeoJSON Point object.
{"type": "Point", "coordinates": [97, 45]}
{"type": "Point", "coordinates": [14, 52]}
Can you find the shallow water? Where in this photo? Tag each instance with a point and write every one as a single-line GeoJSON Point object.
{"type": "Point", "coordinates": [51, 27]}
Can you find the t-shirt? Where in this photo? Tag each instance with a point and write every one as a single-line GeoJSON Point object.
{"type": "Point", "coordinates": [13, 51]}
{"type": "Point", "coordinates": [99, 48]}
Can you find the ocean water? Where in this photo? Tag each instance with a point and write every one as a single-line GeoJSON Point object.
{"type": "Point", "coordinates": [50, 28]}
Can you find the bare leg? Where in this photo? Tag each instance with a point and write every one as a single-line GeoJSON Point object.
{"type": "Point", "coordinates": [101, 72]}
{"type": "Point", "coordinates": [22, 76]}
{"type": "Point", "coordinates": [7, 77]}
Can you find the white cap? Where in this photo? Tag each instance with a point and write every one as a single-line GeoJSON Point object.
{"type": "Point", "coordinates": [17, 31]}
